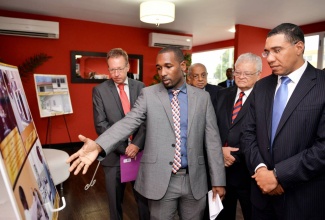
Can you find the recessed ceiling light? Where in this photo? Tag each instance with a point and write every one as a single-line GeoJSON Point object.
{"type": "Point", "coordinates": [232, 30]}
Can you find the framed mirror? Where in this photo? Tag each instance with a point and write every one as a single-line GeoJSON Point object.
{"type": "Point", "coordinates": [91, 67]}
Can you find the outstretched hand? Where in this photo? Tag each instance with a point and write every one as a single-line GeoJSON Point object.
{"type": "Point", "coordinates": [84, 157]}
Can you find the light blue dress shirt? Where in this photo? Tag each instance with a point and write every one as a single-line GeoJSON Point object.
{"type": "Point", "coordinates": [182, 97]}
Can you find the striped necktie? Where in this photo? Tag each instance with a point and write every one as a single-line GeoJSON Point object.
{"type": "Point", "coordinates": [237, 106]}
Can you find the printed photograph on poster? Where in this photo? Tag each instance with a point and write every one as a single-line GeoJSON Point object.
{"type": "Point", "coordinates": [12, 86]}
{"type": "Point", "coordinates": [42, 173]}
{"type": "Point", "coordinates": [29, 196]}
{"type": "Point", "coordinates": [52, 95]}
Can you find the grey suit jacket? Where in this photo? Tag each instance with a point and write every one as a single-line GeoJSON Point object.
{"type": "Point", "coordinates": [107, 109]}
{"type": "Point", "coordinates": [153, 105]}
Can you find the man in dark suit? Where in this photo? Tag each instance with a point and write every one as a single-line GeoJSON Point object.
{"type": "Point", "coordinates": [108, 109]}
{"type": "Point", "coordinates": [198, 77]}
{"type": "Point", "coordinates": [230, 79]}
{"type": "Point", "coordinates": [232, 106]}
{"type": "Point", "coordinates": [284, 132]}
{"type": "Point", "coordinates": [172, 173]}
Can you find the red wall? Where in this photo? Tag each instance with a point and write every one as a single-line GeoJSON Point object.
{"type": "Point", "coordinates": [74, 35]}
{"type": "Point", "coordinates": [213, 46]}
{"type": "Point", "coordinates": [251, 39]}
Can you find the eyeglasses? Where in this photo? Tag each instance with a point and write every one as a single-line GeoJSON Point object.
{"type": "Point", "coordinates": [197, 76]}
{"type": "Point", "coordinates": [276, 51]}
{"type": "Point", "coordinates": [245, 74]}
{"type": "Point", "coordinates": [117, 70]}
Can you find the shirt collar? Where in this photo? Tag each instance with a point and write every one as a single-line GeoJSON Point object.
{"type": "Point", "coordinates": [182, 89]}
{"type": "Point", "coordinates": [126, 82]}
{"type": "Point", "coordinates": [295, 75]}
{"type": "Point", "coordinates": [247, 92]}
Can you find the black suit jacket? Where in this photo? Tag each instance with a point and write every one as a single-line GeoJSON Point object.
{"type": "Point", "coordinates": [237, 174]}
{"type": "Point", "coordinates": [213, 91]}
{"type": "Point", "coordinates": [298, 148]}
{"type": "Point", "coordinates": [224, 83]}
{"type": "Point", "coordinates": [107, 109]}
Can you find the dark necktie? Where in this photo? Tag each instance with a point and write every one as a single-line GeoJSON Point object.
{"type": "Point", "coordinates": [279, 104]}
{"type": "Point", "coordinates": [176, 119]}
{"type": "Point", "coordinates": [237, 106]}
{"type": "Point", "coordinates": [124, 99]}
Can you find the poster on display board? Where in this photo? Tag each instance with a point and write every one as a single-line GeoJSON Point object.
{"type": "Point", "coordinates": [53, 95]}
{"type": "Point", "coordinates": [31, 193]}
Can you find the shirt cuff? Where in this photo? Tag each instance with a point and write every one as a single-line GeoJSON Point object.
{"type": "Point", "coordinates": [259, 166]}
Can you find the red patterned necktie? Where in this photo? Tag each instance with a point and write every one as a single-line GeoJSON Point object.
{"type": "Point", "coordinates": [176, 120]}
{"type": "Point", "coordinates": [237, 106]}
{"type": "Point", "coordinates": [124, 99]}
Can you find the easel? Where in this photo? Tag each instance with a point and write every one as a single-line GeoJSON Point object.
{"type": "Point", "coordinates": [49, 129]}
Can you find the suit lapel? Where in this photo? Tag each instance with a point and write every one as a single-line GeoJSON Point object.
{"type": "Point", "coordinates": [191, 101]}
{"type": "Point", "coordinates": [165, 101]}
{"type": "Point", "coordinates": [230, 104]}
{"type": "Point", "coordinates": [132, 92]}
{"type": "Point", "coordinates": [270, 92]}
{"type": "Point", "coordinates": [306, 83]}
{"type": "Point", "coordinates": [113, 90]}
{"type": "Point", "coordinates": [243, 110]}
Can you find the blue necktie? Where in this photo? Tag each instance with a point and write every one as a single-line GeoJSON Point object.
{"type": "Point", "coordinates": [279, 104]}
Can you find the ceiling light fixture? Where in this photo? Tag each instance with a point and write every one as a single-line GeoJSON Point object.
{"type": "Point", "coordinates": [157, 12]}
{"type": "Point", "coordinates": [232, 30]}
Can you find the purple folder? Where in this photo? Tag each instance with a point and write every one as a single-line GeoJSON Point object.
{"type": "Point", "coordinates": [129, 167]}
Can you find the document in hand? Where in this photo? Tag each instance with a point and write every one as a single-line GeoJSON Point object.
{"type": "Point", "coordinates": [129, 167]}
{"type": "Point", "coordinates": [215, 207]}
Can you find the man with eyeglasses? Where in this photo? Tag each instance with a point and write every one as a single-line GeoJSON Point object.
{"type": "Point", "coordinates": [112, 100]}
{"type": "Point", "coordinates": [284, 132]}
{"type": "Point", "coordinates": [198, 75]}
{"type": "Point", "coordinates": [232, 106]}
{"type": "Point", "coordinates": [230, 79]}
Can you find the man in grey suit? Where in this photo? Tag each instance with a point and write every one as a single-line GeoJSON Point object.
{"type": "Point", "coordinates": [285, 147]}
{"type": "Point", "coordinates": [168, 191]}
{"type": "Point", "coordinates": [108, 109]}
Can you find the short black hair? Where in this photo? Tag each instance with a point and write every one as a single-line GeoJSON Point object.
{"type": "Point", "coordinates": [292, 32]}
{"type": "Point", "coordinates": [176, 50]}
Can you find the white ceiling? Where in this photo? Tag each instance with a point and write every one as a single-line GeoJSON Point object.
{"type": "Point", "coordinates": [207, 20]}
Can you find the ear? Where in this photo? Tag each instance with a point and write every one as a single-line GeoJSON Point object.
{"type": "Point", "coordinates": [300, 46]}
{"type": "Point", "coordinates": [183, 65]}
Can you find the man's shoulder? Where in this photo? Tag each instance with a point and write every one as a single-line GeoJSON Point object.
{"type": "Point", "coordinates": [225, 93]}
{"type": "Point", "coordinates": [197, 91]}
{"type": "Point", "coordinates": [136, 82]}
{"type": "Point", "coordinates": [213, 87]}
{"type": "Point", "coordinates": [106, 83]}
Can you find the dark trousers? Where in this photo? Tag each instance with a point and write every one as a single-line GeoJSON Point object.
{"type": "Point", "coordinates": [233, 194]}
{"type": "Point", "coordinates": [115, 192]}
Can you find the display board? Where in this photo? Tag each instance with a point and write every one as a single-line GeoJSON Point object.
{"type": "Point", "coordinates": [30, 191]}
{"type": "Point", "coordinates": [52, 95]}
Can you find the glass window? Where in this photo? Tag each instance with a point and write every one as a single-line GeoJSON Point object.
{"type": "Point", "coordinates": [311, 49]}
{"type": "Point", "coordinates": [216, 62]}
